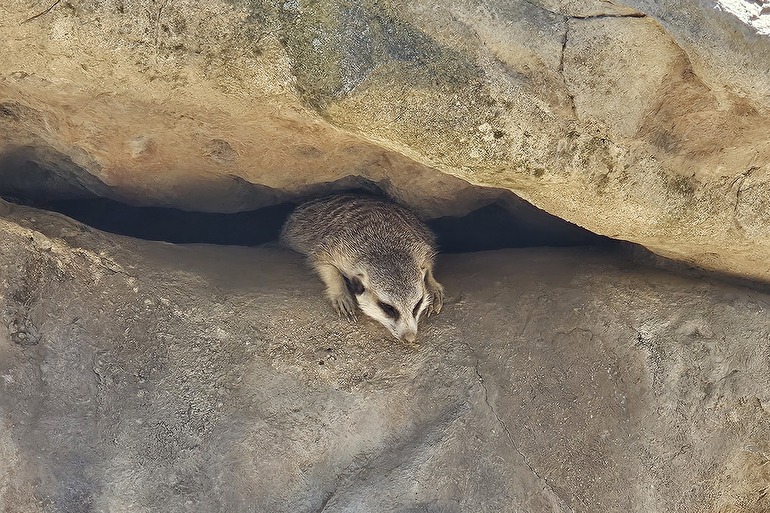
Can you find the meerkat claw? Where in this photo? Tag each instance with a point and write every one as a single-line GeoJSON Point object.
{"type": "Point", "coordinates": [345, 306]}
{"type": "Point", "coordinates": [437, 301]}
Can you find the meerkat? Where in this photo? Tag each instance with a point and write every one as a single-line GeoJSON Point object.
{"type": "Point", "coordinates": [370, 254]}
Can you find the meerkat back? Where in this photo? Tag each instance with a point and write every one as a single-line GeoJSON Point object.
{"type": "Point", "coordinates": [371, 254]}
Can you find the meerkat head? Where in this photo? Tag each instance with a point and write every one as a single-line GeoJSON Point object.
{"type": "Point", "coordinates": [396, 297]}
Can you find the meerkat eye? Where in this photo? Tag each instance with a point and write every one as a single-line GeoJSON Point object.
{"type": "Point", "coordinates": [417, 308]}
{"type": "Point", "coordinates": [388, 309]}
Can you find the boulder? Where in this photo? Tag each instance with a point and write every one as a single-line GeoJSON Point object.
{"type": "Point", "coordinates": [145, 376]}
{"type": "Point", "coordinates": [642, 121]}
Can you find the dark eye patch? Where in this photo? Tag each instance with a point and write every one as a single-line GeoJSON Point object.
{"type": "Point", "coordinates": [417, 308]}
{"type": "Point", "coordinates": [389, 310]}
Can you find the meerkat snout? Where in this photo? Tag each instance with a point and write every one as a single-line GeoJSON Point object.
{"type": "Point", "coordinates": [371, 254]}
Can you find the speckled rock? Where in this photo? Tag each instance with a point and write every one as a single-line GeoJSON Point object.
{"type": "Point", "coordinates": [140, 376]}
{"type": "Point", "coordinates": [643, 121]}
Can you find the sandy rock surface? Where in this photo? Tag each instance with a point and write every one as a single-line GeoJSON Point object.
{"type": "Point", "coordinates": [141, 376]}
{"type": "Point", "coordinates": [643, 121]}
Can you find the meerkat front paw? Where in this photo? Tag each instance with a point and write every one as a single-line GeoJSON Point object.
{"type": "Point", "coordinates": [345, 305]}
{"type": "Point", "coordinates": [437, 299]}
{"type": "Point", "coordinates": [436, 291]}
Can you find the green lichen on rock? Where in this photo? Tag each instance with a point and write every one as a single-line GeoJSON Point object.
{"type": "Point", "coordinates": [335, 47]}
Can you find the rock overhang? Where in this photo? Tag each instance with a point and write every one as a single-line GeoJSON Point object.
{"type": "Point", "coordinates": [620, 120]}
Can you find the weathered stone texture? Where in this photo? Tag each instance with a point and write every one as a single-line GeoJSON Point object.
{"type": "Point", "coordinates": [142, 377]}
{"type": "Point", "coordinates": [198, 378]}
{"type": "Point", "coordinates": [644, 121]}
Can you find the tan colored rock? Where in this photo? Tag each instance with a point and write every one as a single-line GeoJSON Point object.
{"type": "Point", "coordinates": [596, 50]}
{"type": "Point", "coordinates": [140, 376]}
{"type": "Point", "coordinates": [625, 119]}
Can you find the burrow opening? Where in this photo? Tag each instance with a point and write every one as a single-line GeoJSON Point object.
{"type": "Point", "coordinates": [506, 222]}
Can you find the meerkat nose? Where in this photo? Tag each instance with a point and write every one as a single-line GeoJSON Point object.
{"type": "Point", "coordinates": [410, 336]}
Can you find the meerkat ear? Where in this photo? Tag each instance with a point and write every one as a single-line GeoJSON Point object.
{"type": "Point", "coordinates": [356, 286]}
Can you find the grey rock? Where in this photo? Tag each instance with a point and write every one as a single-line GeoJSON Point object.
{"type": "Point", "coordinates": [217, 379]}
